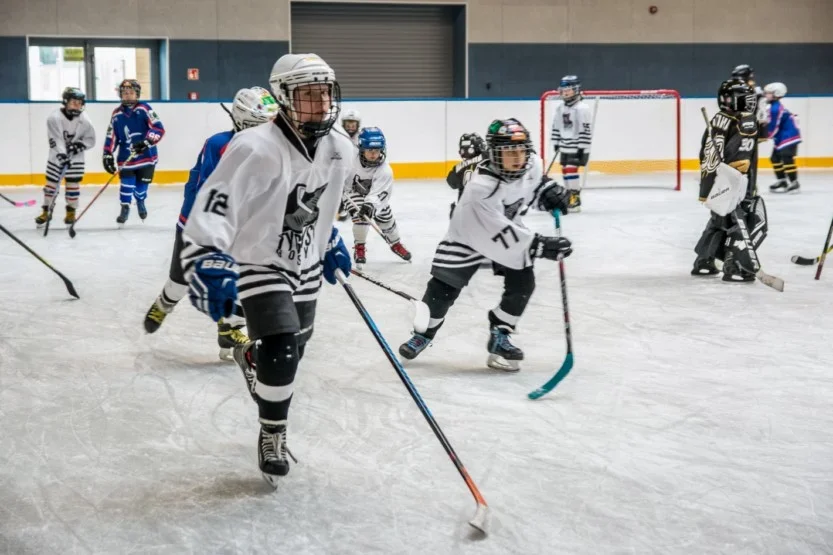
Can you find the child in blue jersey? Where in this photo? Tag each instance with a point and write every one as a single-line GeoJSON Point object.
{"type": "Point", "coordinates": [134, 129]}
{"type": "Point", "coordinates": [785, 135]}
{"type": "Point", "coordinates": [251, 107]}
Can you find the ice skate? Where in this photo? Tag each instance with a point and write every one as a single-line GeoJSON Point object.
{"type": "Point", "coordinates": [141, 209]}
{"type": "Point", "coordinates": [734, 272]}
{"type": "Point", "coordinates": [399, 250]}
{"type": "Point", "coordinates": [243, 354]}
{"type": "Point", "coordinates": [69, 219]}
{"type": "Point", "coordinates": [44, 217]}
{"type": "Point", "coordinates": [229, 337]}
{"type": "Point", "coordinates": [779, 186]}
{"type": "Point", "coordinates": [793, 187]}
{"type": "Point", "coordinates": [272, 453]}
{"type": "Point", "coordinates": [359, 255]}
{"type": "Point", "coordinates": [704, 267]}
{"type": "Point", "coordinates": [123, 215]}
{"type": "Point", "coordinates": [156, 314]}
{"type": "Point", "coordinates": [575, 201]}
{"type": "Point", "coordinates": [502, 354]}
{"type": "Point", "coordinates": [415, 345]}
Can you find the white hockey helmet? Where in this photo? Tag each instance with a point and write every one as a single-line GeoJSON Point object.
{"type": "Point", "coordinates": [296, 70]}
{"type": "Point", "coordinates": [351, 115]}
{"type": "Point", "coordinates": [252, 107]}
{"type": "Point", "coordinates": [777, 90]}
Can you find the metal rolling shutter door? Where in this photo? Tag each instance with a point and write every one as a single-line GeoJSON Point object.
{"type": "Point", "coordinates": [378, 50]}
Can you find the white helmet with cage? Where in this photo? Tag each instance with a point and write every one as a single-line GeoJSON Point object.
{"type": "Point", "coordinates": [354, 116]}
{"type": "Point", "coordinates": [777, 90]}
{"type": "Point", "coordinates": [292, 71]}
{"type": "Point", "coordinates": [252, 107]}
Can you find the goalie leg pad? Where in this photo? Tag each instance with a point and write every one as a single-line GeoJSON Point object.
{"type": "Point", "coordinates": [713, 238]}
{"type": "Point", "coordinates": [740, 256]}
{"type": "Point", "coordinates": [756, 220]}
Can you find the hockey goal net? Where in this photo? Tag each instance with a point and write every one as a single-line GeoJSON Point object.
{"type": "Point", "coordinates": [636, 137]}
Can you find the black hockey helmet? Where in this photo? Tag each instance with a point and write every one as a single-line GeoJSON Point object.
{"type": "Point", "coordinates": [745, 73]}
{"type": "Point", "coordinates": [504, 137]}
{"type": "Point", "coordinates": [735, 95]}
{"type": "Point", "coordinates": [130, 84]}
{"type": "Point", "coordinates": [73, 93]}
{"type": "Point", "coordinates": [471, 145]}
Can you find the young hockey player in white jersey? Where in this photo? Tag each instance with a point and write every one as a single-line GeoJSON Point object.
{"type": "Point", "coordinates": [269, 207]}
{"type": "Point", "coordinates": [487, 225]}
{"type": "Point", "coordinates": [351, 121]}
{"type": "Point", "coordinates": [471, 149]}
{"type": "Point", "coordinates": [70, 133]}
{"type": "Point", "coordinates": [250, 107]}
{"type": "Point", "coordinates": [367, 195]}
{"type": "Point", "coordinates": [572, 132]}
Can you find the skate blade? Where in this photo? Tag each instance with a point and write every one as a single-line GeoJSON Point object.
{"type": "Point", "coordinates": [499, 363]}
{"type": "Point", "coordinates": [271, 479]}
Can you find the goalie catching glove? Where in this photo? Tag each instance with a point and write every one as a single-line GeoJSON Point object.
{"type": "Point", "coordinates": [213, 287]}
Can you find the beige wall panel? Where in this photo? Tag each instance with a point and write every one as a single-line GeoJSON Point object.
{"type": "Point", "coordinates": [259, 20]}
{"type": "Point", "coordinates": [769, 21]}
{"type": "Point", "coordinates": [98, 18]}
{"type": "Point", "coordinates": [28, 17]}
{"type": "Point", "coordinates": [535, 21]}
{"type": "Point", "coordinates": [180, 19]}
{"type": "Point", "coordinates": [673, 22]}
{"type": "Point", "coordinates": [602, 21]}
{"type": "Point", "coordinates": [485, 20]}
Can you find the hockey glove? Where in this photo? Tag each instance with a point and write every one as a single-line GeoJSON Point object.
{"type": "Point", "coordinates": [140, 147]}
{"type": "Point", "coordinates": [366, 211]}
{"type": "Point", "coordinates": [75, 148]}
{"type": "Point", "coordinates": [62, 158]}
{"type": "Point", "coordinates": [554, 197]}
{"type": "Point", "coordinates": [336, 258]}
{"type": "Point", "coordinates": [553, 248]}
{"type": "Point", "coordinates": [109, 163]}
{"type": "Point", "coordinates": [213, 287]}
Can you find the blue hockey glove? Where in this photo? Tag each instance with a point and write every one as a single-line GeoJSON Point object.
{"type": "Point", "coordinates": [336, 258]}
{"type": "Point", "coordinates": [213, 287]}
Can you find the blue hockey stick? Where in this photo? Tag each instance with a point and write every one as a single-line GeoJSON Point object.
{"type": "Point", "coordinates": [567, 365]}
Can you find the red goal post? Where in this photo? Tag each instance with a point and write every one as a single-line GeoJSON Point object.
{"type": "Point", "coordinates": [636, 133]}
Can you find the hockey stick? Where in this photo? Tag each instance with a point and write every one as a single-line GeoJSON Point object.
{"type": "Point", "coordinates": [804, 261]}
{"type": "Point", "coordinates": [67, 282]}
{"type": "Point", "coordinates": [479, 520]}
{"type": "Point", "coordinates": [51, 208]}
{"type": "Point", "coordinates": [18, 203]}
{"type": "Point", "coordinates": [373, 224]}
{"type": "Point", "coordinates": [824, 251]}
{"type": "Point", "coordinates": [422, 315]}
{"type": "Point", "coordinates": [98, 194]}
{"type": "Point", "coordinates": [567, 365]}
{"type": "Point", "coordinates": [592, 131]}
{"type": "Point", "coordinates": [768, 280]}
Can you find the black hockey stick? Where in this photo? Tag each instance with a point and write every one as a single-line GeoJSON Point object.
{"type": "Point", "coordinates": [824, 251]}
{"type": "Point", "coordinates": [804, 261]}
{"type": "Point", "coordinates": [768, 280]}
{"type": "Point", "coordinates": [52, 207]}
{"type": "Point", "coordinates": [98, 194]}
{"type": "Point", "coordinates": [422, 314]}
{"type": "Point", "coordinates": [18, 203]}
{"type": "Point", "coordinates": [479, 519]}
{"type": "Point", "coordinates": [67, 282]}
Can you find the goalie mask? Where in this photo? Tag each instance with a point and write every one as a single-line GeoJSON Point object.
{"type": "Point", "coordinates": [252, 107]}
{"type": "Point", "coordinates": [74, 101]}
{"type": "Point", "coordinates": [471, 146]}
{"type": "Point", "coordinates": [372, 147]}
{"type": "Point", "coordinates": [307, 92]}
{"type": "Point", "coordinates": [127, 98]}
{"type": "Point", "coordinates": [509, 148]}
{"type": "Point", "coordinates": [735, 95]}
{"type": "Point", "coordinates": [570, 89]}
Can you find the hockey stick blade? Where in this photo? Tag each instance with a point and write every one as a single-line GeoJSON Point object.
{"type": "Point", "coordinates": [562, 373]}
{"type": "Point", "coordinates": [801, 261]}
{"type": "Point", "coordinates": [18, 203]}
{"type": "Point", "coordinates": [770, 281]}
{"type": "Point", "coordinates": [480, 517]}
{"type": "Point", "coordinates": [70, 288]}
{"type": "Point", "coordinates": [422, 315]}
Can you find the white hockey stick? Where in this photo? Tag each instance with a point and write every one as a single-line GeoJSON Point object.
{"type": "Point", "coordinates": [592, 132]}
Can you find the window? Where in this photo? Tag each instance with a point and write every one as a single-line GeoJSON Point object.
{"type": "Point", "coordinates": [96, 66]}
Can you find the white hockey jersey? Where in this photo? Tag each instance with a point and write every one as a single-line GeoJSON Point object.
{"type": "Point", "coordinates": [373, 185]}
{"type": "Point", "coordinates": [62, 131]}
{"type": "Point", "coordinates": [487, 221]}
{"type": "Point", "coordinates": [572, 127]}
{"type": "Point", "coordinates": [271, 207]}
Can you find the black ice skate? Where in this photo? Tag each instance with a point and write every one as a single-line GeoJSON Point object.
{"type": "Point", "coordinates": [156, 314]}
{"type": "Point", "coordinates": [415, 345]}
{"type": "Point", "coordinates": [734, 272]}
{"type": "Point", "coordinates": [244, 357]}
{"type": "Point", "coordinates": [229, 337]}
{"type": "Point", "coordinates": [141, 209]}
{"type": "Point", "coordinates": [502, 354]}
{"type": "Point", "coordinates": [272, 453]}
{"type": "Point", "coordinates": [44, 217]}
{"type": "Point", "coordinates": [779, 186]}
{"type": "Point", "coordinates": [704, 267]}
{"type": "Point", "coordinates": [123, 215]}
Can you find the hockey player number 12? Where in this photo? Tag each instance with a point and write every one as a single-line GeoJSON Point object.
{"type": "Point", "coordinates": [501, 236]}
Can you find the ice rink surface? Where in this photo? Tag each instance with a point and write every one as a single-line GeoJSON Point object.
{"type": "Point", "coordinates": [697, 418]}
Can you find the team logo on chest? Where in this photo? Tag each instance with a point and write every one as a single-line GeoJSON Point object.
{"type": "Point", "coordinates": [511, 210]}
{"type": "Point", "coordinates": [362, 186]}
{"type": "Point", "coordinates": [299, 222]}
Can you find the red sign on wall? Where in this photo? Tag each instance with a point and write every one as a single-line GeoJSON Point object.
{"type": "Point", "coordinates": [193, 96]}
{"type": "Point", "coordinates": [193, 74]}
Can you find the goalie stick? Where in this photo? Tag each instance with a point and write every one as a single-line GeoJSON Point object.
{"type": "Point", "coordinates": [768, 280]}
{"type": "Point", "coordinates": [824, 251]}
{"type": "Point", "coordinates": [567, 365]}
{"type": "Point", "coordinates": [71, 229]}
{"type": "Point", "coordinates": [16, 203]}
{"type": "Point", "coordinates": [67, 282]}
{"type": "Point", "coordinates": [422, 314]}
{"type": "Point", "coordinates": [479, 520]}
{"type": "Point", "coordinates": [804, 261]}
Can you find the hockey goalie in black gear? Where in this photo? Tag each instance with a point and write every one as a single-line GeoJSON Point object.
{"type": "Point", "coordinates": [471, 149]}
{"type": "Point", "coordinates": [734, 237]}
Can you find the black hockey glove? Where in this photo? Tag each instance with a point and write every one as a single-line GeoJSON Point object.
{"type": "Point", "coordinates": [140, 147]}
{"type": "Point", "coordinates": [553, 248]}
{"type": "Point", "coordinates": [554, 197]}
{"type": "Point", "coordinates": [366, 211]}
{"type": "Point", "coordinates": [75, 148]}
{"type": "Point", "coordinates": [62, 158]}
{"type": "Point", "coordinates": [109, 163]}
